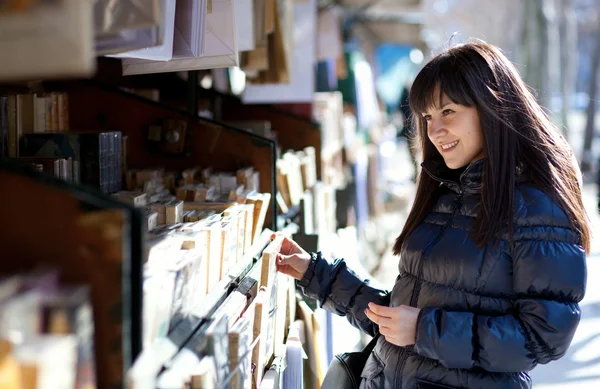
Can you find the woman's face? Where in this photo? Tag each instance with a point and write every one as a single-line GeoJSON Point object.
{"type": "Point", "coordinates": [456, 132]}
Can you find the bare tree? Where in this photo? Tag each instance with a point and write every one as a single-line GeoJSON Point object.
{"type": "Point", "coordinates": [533, 48]}
{"type": "Point", "coordinates": [554, 45]}
{"type": "Point", "coordinates": [586, 160]}
{"type": "Point", "coordinates": [568, 60]}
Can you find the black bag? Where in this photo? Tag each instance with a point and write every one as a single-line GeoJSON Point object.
{"type": "Point", "coordinates": [345, 369]}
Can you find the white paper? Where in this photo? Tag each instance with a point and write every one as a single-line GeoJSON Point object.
{"type": "Point", "coordinates": [53, 40]}
{"type": "Point", "coordinates": [244, 24]}
{"type": "Point", "coordinates": [220, 49]}
{"type": "Point", "coordinates": [163, 52]}
{"type": "Point", "coordinates": [127, 25]}
{"type": "Point", "coordinates": [189, 22]}
{"type": "Point", "coordinates": [302, 78]}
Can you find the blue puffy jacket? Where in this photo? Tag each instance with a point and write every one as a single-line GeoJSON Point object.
{"type": "Point", "coordinates": [487, 315]}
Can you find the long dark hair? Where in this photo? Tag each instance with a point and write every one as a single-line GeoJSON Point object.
{"type": "Point", "coordinates": [517, 132]}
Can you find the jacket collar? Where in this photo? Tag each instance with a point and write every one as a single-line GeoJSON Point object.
{"type": "Point", "coordinates": [470, 180]}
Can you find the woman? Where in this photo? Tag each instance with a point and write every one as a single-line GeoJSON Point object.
{"type": "Point", "coordinates": [492, 256]}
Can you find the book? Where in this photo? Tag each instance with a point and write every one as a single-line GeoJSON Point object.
{"type": "Point", "coordinates": [69, 312]}
{"type": "Point", "coordinates": [240, 353]}
{"type": "Point", "coordinates": [98, 155]}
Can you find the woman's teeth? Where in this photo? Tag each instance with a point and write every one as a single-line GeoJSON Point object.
{"type": "Point", "coordinates": [449, 145]}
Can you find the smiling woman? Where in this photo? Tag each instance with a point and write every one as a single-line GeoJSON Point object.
{"type": "Point", "coordinates": [493, 253]}
{"type": "Point", "coordinates": [455, 131]}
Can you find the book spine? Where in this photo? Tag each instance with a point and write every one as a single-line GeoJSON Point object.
{"type": "Point", "coordinates": [55, 113]}
{"type": "Point", "coordinates": [39, 110]}
{"type": "Point", "coordinates": [3, 126]}
{"type": "Point", "coordinates": [13, 151]}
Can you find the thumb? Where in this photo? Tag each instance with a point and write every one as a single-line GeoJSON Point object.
{"type": "Point", "coordinates": [283, 259]}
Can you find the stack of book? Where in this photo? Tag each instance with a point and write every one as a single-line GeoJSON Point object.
{"type": "Point", "coordinates": [200, 224]}
{"type": "Point", "coordinates": [235, 336]}
{"type": "Point", "coordinates": [46, 332]}
{"type": "Point", "coordinates": [297, 185]}
{"type": "Point", "coordinates": [35, 130]}
{"type": "Point", "coordinates": [92, 158]}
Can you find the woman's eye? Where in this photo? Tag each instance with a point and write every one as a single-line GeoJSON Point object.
{"type": "Point", "coordinates": [427, 117]}
{"type": "Point", "coordinates": [447, 112]}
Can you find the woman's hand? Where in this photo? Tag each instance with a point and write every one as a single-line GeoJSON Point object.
{"type": "Point", "coordinates": [292, 259]}
{"type": "Point", "coordinates": [397, 324]}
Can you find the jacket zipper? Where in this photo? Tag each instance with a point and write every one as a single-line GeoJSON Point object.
{"type": "Point", "coordinates": [407, 351]}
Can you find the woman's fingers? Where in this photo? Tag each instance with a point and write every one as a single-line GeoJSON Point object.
{"type": "Point", "coordinates": [381, 321]}
{"type": "Point", "coordinates": [288, 246]}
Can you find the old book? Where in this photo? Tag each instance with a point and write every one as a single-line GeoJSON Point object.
{"type": "Point", "coordinates": [40, 112]}
{"type": "Point", "coordinates": [63, 112]}
{"type": "Point", "coordinates": [217, 207]}
{"type": "Point", "coordinates": [159, 288]}
{"type": "Point", "coordinates": [234, 193]}
{"type": "Point", "coordinates": [240, 354]}
{"type": "Point", "coordinates": [213, 253]}
{"type": "Point", "coordinates": [309, 167]}
{"type": "Point", "coordinates": [4, 126]}
{"type": "Point", "coordinates": [293, 375]}
{"type": "Point", "coordinates": [281, 312]}
{"type": "Point", "coordinates": [95, 247]}
{"type": "Point", "coordinates": [55, 112]}
{"type": "Point", "coordinates": [174, 212]}
{"type": "Point", "coordinates": [294, 178]}
{"type": "Point", "coordinates": [248, 225]}
{"type": "Point", "coordinates": [217, 336]}
{"type": "Point", "coordinates": [98, 155]}
{"type": "Point", "coordinates": [261, 203]}
{"type": "Point", "coordinates": [25, 114]}
{"type": "Point", "coordinates": [227, 182]}
{"type": "Point", "coordinates": [312, 363]}
{"type": "Point", "coordinates": [269, 280]}
{"type": "Point", "coordinates": [237, 216]}
{"type": "Point", "coordinates": [199, 281]}
{"type": "Point", "coordinates": [244, 176]}
{"type": "Point", "coordinates": [69, 312]}
{"type": "Point", "coordinates": [228, 245]}
{"type": "Point", "coordinates": [137, 199]}
{"type": "Point", "coordinates": [204, 374]}
{"type": "Point", "coordinates": [10, 370]}
{"type": "Point", "coordinates": [151, 219]}
{"type": "Point", "coordinates": [20, 316]}
{"type": "Point", "coordinates": [258, 310]}
{"type": "Point", "coordinates": [49, 113]}
{"type": "Point", "coordinates": [269, 261]}
{"type": "Point", "coordinates": [283, 183]}
{"type": "Point", "coordinates": [195, 192]}
{"type": "Point", "coordinates": [13, 136]}
{"type": "Point", "coordinates": [51, 165]}
{"type": "Point", "coordinates": [181, 367]}
{"type": "Point", "coordinates": [291, 305]}
{"type": "Point", "coordinates": [189, 176]}
{"type": "Point", "coordinates": [10, 286]}
{"type": "Point", "coordinates": [41, 358]}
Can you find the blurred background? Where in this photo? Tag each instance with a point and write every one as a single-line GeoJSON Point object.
{"type": "Point", "coordinates": [555, 45]}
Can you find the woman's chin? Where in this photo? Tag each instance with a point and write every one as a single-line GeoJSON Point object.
{"type": "Point", "coordinates": [453, 164]}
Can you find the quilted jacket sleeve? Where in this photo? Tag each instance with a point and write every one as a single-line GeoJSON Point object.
{"type": "Point", "coordinates": [549, 277]}
{"type": "Point", "coordinates": [339, 290]}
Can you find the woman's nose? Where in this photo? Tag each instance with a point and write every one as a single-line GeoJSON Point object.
{"type": "Point", "coordinates": [436, 128]}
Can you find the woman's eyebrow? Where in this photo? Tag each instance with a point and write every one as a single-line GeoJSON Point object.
{"type": "Point", "coordinates": [445, 103]}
